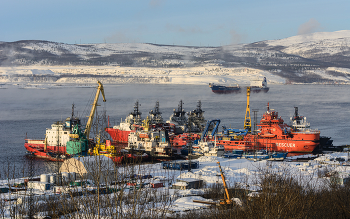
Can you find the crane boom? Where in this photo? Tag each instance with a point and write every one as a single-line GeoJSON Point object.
{"type": "Point", "coordinates": [227, 199]}
{"type": "Point", "coordinates": [247, 120]}
{"type": "Point", "coordinates": [93, 108]}
{"type": "Point", "coordinates": [215, 122]}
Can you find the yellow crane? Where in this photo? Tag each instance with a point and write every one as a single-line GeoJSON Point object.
{"type": "Point", "coordinates": [223, 202]}
{"type": "Point", "coordinates": [247, 120]}
{"type": "Point", "coordinates": [226, 200]}
{"type": "Point", "coordinates": [93, 108]}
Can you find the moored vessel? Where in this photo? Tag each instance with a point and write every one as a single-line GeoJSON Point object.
{"type": "Point", "coordinates": [62, 140]}
{"type": "Point", "coordinates": [65, 139]}
{"type": "Point", "coordinates": [209, 148]}
{"type": "Point", "coordinates": [133, 121]}
{"type": "Point", "coordinates": [154, 143]}
{"type": "Point", "coordinates": [275, 135]}
{"type": "Point", "coordinates": [179, 119]}
{"type": "Point", "coordinates": [299, 123]}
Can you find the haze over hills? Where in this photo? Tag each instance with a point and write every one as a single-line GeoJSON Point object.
{"type": "Point", "coordinates": [313, 58]}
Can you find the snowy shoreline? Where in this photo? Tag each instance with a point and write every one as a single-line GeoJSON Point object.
{"type": "Point", "coordinates": [121, 75]}
{"type": "Point", "coordinates": [60, 75]}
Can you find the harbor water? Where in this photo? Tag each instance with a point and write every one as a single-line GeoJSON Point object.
{"type": "Point", "coordinates": [28, 112]}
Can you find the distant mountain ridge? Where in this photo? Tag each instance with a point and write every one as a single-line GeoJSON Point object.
{"type": "Point", "coordinates": [298, 58]}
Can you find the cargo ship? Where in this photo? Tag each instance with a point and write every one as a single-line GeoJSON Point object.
{"type": "Point", "coordinates": [65, 139]}
{"type": "Point", "coordinates": [256, 86]}
{"type": "Point", "coordinates": [274, 135]}
{"type": "Point", "coordinates": [62, 140]}
{"type": "Point", "coordinates": [221, 89]}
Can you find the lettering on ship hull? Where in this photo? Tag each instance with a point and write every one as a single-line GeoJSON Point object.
{"type": "Point", "coordinates": [286, 145]}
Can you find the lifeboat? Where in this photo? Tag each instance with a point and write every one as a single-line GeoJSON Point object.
{"type": "Point", "coordinates": [143, 135]}
{"type": "Point", "coordinates": [267, 135]}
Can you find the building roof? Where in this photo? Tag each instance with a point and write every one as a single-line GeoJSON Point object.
{"type": "Point", "coordinates": [189, 180]}
{"type": "Point", "coordinates": [89, 164]}
{"type": "Point", "coordinates": [180, 184]}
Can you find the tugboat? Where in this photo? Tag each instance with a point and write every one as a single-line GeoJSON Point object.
{"type": "Point", "coordinates": [156, 116]}
{"type": "Point", "coordinates": [196, 118]}
{"type": "Point", "coordinates": [221, 89]}
{"type": "Point", "coordinates": [274, 135]}
{"type": "Point", "coordinates": [155, 143]}
{"type": "Point", "coordinates": [179, 119]}
{"type": "Point", "coordinates": [156, 120]}
{"type": "Point", "coordinates": [209, 148]}
{"type": "Point", "coordinates": [195, 125]}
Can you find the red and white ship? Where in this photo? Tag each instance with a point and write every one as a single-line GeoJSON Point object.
{"type": "Point", "coordinates": [133, 121]}
{"type": "Point", "coordinates": [65, 138]}
{"type": "Point", "coordinates": [275, 135]}
{"type": "Point", "coordinates": [54, 146]}
{"type": "Point", "coordinates": [176, 126]}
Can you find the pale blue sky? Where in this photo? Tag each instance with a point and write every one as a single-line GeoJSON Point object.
{"type": "Point", "coordinates": [179, 22]}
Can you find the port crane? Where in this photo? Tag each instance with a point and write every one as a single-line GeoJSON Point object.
{"type": "Point", "coordinates": [223, 202]}
{"type": "Point", "coordinates": [93, 108]}
{"type": "Point", "coordinates": [247, 120]}
{"type": "Point", "coordinates": [216, 123]}
{"type": "Point", "coordinates": [226, 200]}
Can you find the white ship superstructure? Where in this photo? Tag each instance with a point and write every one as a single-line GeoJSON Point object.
{"type": "Point", "coordinates": [154, 143]}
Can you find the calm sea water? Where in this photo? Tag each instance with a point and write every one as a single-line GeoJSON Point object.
{"type": "Point", "coordinates": [30, 111]}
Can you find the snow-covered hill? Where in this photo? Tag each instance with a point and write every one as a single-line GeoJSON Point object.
{"type": "Point", "coordinates": [312, 58]}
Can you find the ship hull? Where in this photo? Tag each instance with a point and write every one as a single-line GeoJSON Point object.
{"type": "Point", "coordinates": [259, 89]}
{"type": "Point", "coordinates": [221, 89]}
{"type": "Point", "coordinates": [278, 145]}
{"type": "Point", "coordinates": [39, 152]}
{"type": "Point", "coordinates": [293, 146]}
{"type": "Point", "coordinates": [300, 142]}
{"type": "Point", "coordinates": [225, 90]}
{"type": "Point", "coordinates": [117, 135]}
{"type": "Point", "coordinates": [40, 146]}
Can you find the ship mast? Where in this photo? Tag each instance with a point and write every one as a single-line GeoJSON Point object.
{"type": "Point", "coordinates": [247, 120]}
